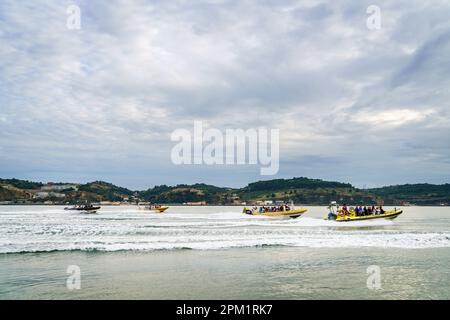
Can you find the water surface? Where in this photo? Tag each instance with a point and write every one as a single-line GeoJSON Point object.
{"type": "Point", "coordinates": [219, 253]}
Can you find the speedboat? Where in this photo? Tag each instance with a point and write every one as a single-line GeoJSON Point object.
{"type": "Point", "coordinates": [342, 215]}
{"type": "Point", "coordinates": [88, 208]}
{"type": "Point", "coordinates": [278, 211]}
{"type": "Point", "coordinates": [155, 208]}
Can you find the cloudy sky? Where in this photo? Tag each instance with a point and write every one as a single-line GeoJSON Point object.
{"type": "Point", "coordinates": [370, 107]}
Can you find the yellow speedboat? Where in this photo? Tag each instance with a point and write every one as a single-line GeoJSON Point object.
{"type": "Point", "coordinates": [155, 208]}
{"type": "Point", "coordinates": [339, 215]}
{"type": "Point", "coordinates": [287, 212]}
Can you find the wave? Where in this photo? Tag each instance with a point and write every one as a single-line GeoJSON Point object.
{"type": "Point", "coordinates": [48, 230]}
{"type": "Point", "coordinates": [208, 241]}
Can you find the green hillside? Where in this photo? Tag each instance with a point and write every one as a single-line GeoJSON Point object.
{"type": "Point", "coordinates": [305, 190]}
{"type": "Point", "coordinates": [21, 184]}
{"type": "Point", "coordinates": [300, 190]}
{"type": "Point", "coordinates": [105, 191]}
{"type": "Point", "coordinates": [419, 194]}
{"type": "Point", "coordinates": [186, 193]}
{"type": "Point", "coordinates": [20, 191]}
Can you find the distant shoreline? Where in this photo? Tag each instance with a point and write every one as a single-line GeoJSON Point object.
{"type": "Point", "coordinates": [208, 205]}
{"type": "Point", "coordinates": [300, 190]}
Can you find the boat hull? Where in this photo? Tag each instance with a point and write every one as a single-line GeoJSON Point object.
{"type": "Point", "coordinates": [156, 210]}
{"type": "Point", "coordinates": [288, 214]}
{"type": "Point", "coordinates": [390, 215]}
{"type": "Point", "coordinates": [92, 210]}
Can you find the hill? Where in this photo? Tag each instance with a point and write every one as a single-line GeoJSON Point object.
{"type": "Point", "coordinates": [21, 191]}
{"type": "Point", "coordinates": [186, 193]}
{"type": "Point", "coordinates": [300, 190]}
{"type": "Point", "coordinates": [102, 191]}
{"type": "Point", "coordinates": [418, 194]}
{"type": "Point", "coordinates": [305, 190]}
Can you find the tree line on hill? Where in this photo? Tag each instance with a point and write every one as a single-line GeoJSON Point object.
{"type": "Point", "coordinates": [300, 190]}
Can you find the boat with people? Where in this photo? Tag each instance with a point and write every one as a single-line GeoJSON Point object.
{"type": "Point", "coordinates": [344, 213]}
{"type": "Point", "coordinates": [284, 210]}
{"type": "Point", "coordinates": [154, 207]}
{"type": "Point", "coordinates": [87, 208]}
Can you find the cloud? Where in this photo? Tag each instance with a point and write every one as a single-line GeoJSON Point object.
{"type": "Point", "coordinates": [101, 102]}
{"type": "Point", "coordinates": [390, 118]}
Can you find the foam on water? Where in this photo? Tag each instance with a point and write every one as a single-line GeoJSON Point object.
{"type": "Point", "coordinates": [35, 229]}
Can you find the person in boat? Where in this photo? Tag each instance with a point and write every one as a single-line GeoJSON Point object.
{"type": "Point", "coordinates": [373, 211]}
{"type": "Point", "coordinates": [365, 211]}
{"type": "Point", "coordinates": [344, 210]}
{"type": "Point", "coordinates": [382, 210]}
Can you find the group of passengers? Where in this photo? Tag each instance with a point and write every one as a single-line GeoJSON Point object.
{"type": "Point", "coordinates": [283, 207]}
{"type": "Point", "coordinates": [363, 211]}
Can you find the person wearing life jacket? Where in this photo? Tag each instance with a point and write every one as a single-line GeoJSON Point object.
{"type": "Point", "coordinates": [344, 210]}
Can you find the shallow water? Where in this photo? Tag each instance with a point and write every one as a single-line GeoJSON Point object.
{"type": "Point", "coordinates": [127, 253]}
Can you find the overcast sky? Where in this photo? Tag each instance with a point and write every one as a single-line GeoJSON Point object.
{"type": "Point", "coordinates": [369, 107]}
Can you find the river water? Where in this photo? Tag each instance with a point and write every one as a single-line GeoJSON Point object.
{"type": "Point", "coordinates": [220, 253]}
